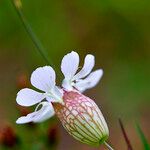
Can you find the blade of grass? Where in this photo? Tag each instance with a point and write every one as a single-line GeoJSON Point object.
{"type": "Point", "coordinates": [18, 6]}
{"type": "Point", "coordinates": [143, 138]}
{"type": "Point", "coordinates": [125, 135]}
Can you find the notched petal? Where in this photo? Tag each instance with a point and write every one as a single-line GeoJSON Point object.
{"type": "Point", "coordinates": [26, 119]}
{"type": "Point", "coordinates": [89, 63]}
{"type": "Point", "coordinates": [90, 81]}
{"type": "Point", "coordinates": [29, 97]}
{"type": "Point", "coordinates": [43, 78]}
{"type": "Point", "coordinates": [40, 115]}
{"type": "Point", "coordinates": [44, 113]}
{"type": "Point", "coordinates": [69, 64]}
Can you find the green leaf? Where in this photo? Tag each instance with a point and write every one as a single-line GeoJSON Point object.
{"type": "Point", "coordinates": [143, 138]}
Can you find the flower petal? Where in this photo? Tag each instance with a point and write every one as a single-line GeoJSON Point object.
{"type": "Point", "coordinates": [29, 97]}
{"type": "Point", "coordinates": [41, 115]}
{"type": "Point", "coordinates": [43, 78]}
{"type": "Point", "coordinates": [26, 119]}
{"type": "Point", "coordinates": [90, 81]}
{"type": "Point", "coordinates": [45, 112]}
{"type": "Point", "coordinates": [69, 65]}
{"type": "Point", "coordinates": [67, 85]}
{"type": "Point", "coordinates": [89, 63]}
{"type": "Point", "coordinates": [56, 96]}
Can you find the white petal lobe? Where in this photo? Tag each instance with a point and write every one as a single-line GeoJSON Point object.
{"type": "Point", "coordinates": [44, 113]}
{"type": "Point", "coordinates": [90, 81]}
{"type": "Point", "coordinates": [41, 115]}
{"type": "Point", "coordinates": [43, 78]}
{"type": "Point", "coordinates": [89, 63]}
{"type": "Point", "coordinates": [26, 119]}
{"type": "Point", "coordinates": [29, 97]}
{"type": "Point", "coordinates": [69, 65]}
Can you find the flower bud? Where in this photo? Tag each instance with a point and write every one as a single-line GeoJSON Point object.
{"type": "Point", "coordinates": [82, 118]}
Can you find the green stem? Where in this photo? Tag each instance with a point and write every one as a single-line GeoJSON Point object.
{"type": "Point", "coordinates": [30, 32]}
{"type": "Point", "coordinates": [108, 146]}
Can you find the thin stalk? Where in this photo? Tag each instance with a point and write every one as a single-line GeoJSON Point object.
{"type": "Point", "coordinates": [108, 146]}
{"type": "Point", "coordinates": [125, 135]}
{"type": "Point", "coordinates": [18, 6]}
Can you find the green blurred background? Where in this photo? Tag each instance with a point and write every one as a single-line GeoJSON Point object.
{"type": "Point", "coordinates": [116, 32]}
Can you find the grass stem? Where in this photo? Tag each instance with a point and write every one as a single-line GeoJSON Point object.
{"type": "Point", "coordinates": [18, 6]}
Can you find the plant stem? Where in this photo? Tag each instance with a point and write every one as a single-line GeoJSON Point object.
{"type": "Point", "coordinates": [108, 146]}
{"type": "Point", "coordinates": [125, 135]}
{"type": "Point", "coordinates": [32, 35]}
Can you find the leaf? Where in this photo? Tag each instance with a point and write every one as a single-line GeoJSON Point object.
{"type": "Point", "coordinates": [143, 138]}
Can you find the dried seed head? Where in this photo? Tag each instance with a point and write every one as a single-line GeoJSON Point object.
{"type": "Point", "coordinates": [82, 118]}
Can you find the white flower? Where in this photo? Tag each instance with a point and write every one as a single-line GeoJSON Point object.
{"type": "Point", "coordinates": [43, 78]}
{"type": "Point", "coordinates": [84, 79]}
{"type": "Point", "coordinates": [79, 114]}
